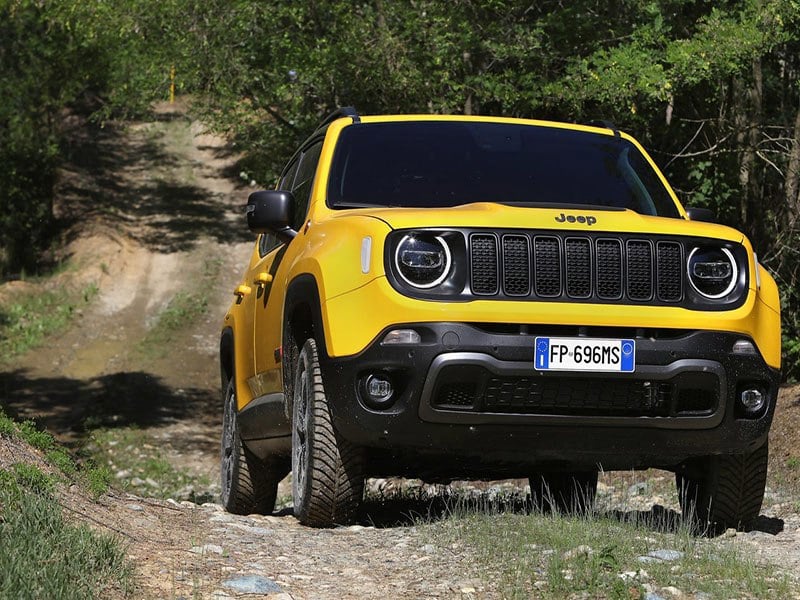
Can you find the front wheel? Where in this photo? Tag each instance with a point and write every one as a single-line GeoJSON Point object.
{"type": "Point", "coordinates": [327, 471]}
{"type": "Point", "coordinates": [718, 492]}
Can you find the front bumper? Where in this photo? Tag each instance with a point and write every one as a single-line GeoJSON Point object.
{"type": "Point", "coordinates": [468, 402]}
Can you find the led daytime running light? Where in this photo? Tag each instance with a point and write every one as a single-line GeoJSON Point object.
{"type": "Point", "coordinates": [714, 271]}
{"type": "Point", "coordinates": [423, 259]}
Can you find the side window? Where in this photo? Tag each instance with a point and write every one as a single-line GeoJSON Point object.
{"type": "Point", "coordinates": [303, 181]}
{"type": "Point", "coordinates": [266, 243]}
{"type": "Point", "coordinates": [287, 180]}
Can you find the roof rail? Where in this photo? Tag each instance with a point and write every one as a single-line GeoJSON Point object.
{"type": "Point", "coordinates": [344, 111]}
{"type": "Point", "coordinates": [606, 125]}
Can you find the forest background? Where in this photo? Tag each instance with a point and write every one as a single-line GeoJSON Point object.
{"type": "Point", "coordinates": [712, 89]}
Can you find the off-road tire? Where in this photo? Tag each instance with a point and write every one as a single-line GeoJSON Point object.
{"type": "Point", "coordinates": [327, 471]}
{"type": "Point", "coordinates": [249, 485]}
{"type": "Point", "coordinates": [566, 493]}
{"type": "Point", "coordinates": [718, 492]}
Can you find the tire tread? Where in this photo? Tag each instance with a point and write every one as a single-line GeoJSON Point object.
{"type": "Point", "coordinates": [335, 476]}
{"type": "Point", "coordinates": [254, 483]}
{"type": "Point", "coordinates": [727, 492]}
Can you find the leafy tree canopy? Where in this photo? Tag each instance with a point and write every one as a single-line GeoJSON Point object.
{"type": "Point", "coordinates": [713, 89]}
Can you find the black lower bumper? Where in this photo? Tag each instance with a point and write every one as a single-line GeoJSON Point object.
{"type": "Point", "coordinates": [468, 402]}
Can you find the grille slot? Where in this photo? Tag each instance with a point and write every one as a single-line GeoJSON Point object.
{"type": "Point", "coordinates": [516, 265]}
{"type": "Point", "coordinates": [609, 269]}
{"type": "Point", "coordinates": [580, 397]}
{"type": "Point", "coordinates": [669, 267]}
{"type": "Point", "coordinates": [483, 249]}
{"type": "Point", "coordinates": [547, 261]}
{"type": "Point", "coordinates": [474, 389]}
{"type": "Point", "coordinates": [579, 267]}
{"type": "Point", "coordinates": [456, 394]}
{"type": "Point", "coordinates": [640, 270]}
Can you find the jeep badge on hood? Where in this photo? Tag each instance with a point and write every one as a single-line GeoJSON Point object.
{"type": "Point", "coordinates": [588, 219]}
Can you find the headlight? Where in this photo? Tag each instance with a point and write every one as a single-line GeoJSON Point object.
{"type": "Point", "coordinates": [423, 261]}
{"type": "Point", "coordinates": [712, 271]}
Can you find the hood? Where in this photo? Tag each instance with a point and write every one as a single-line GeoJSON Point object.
{"type": "Point", "coordinates": [576, 219]}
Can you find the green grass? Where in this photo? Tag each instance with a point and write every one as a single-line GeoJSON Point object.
{"type": "Point", "coordinates": [34, 479]}
{"type": "Point", "coordinates": [7, 427]}
{"type": "Point", "coordinates": [42, 555]}
{"type": "Point", "coordinates": [94, 479]}
{"type": "Point", "coordinates": [143, 468]}
{"type": "Point", "coordinates": [590, 556]}
{"type": "Point", "coordinates": [27, 321]}
{"type": "Point", "coordinates": [36, 437]}
{"type": "Point", "coordinates": [184, 310]}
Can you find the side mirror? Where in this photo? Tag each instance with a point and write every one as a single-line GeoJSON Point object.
{"type": "Point", "coordinates": [701, 214]}
{"type": "Point", "coordinates": [270, 211]}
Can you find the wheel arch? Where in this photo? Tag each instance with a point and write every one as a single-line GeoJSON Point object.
{"type": "Point", "coordinates": [226, 356]}
{"type": "Point", "coordinates": [302, 319]}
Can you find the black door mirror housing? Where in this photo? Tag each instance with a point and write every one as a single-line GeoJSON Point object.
{"type": "Point", "coordinates": [701, 214]}
{"type": "Point", "coordinates": [270, 211]}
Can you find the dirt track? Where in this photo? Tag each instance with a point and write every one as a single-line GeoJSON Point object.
{"type": "Point", "coordinates": [154, 212]}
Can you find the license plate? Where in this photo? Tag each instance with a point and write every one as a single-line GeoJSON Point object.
{"type": "Point", "coordinates": [584, 354]}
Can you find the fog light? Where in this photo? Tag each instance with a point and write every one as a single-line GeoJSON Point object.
{"type": "Point", "coordinates": [753, 400]}
{"type": "Point", "coordinates": [378, 390]}
{"type": "Point", "coordinates": [401, 336]}
{"type": "Point", "coordinates": [744, 347]}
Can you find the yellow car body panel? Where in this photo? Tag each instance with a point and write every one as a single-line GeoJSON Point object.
{"type": "Point", "coordinates": [351, 324]}
{"type": "Point", "coordinates": [240, 318]}
{"type": "Point", "coordinates": [502, 216]}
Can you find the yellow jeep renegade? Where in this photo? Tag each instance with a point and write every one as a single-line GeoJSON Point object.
{"type": "Point", "coordinates": [452, 297]}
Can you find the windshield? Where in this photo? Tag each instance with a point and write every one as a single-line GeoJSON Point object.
{"type": "Point", "coordinates": [442, 163]}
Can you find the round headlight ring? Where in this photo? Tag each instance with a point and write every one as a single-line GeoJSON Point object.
{"type": "Point", "coordinates": [446, 265]}
{"type": "Point", "coordinates": [734, 272]}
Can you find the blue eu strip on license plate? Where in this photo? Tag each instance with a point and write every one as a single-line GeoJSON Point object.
{"type": "Point", "coordinates": [584, 354]}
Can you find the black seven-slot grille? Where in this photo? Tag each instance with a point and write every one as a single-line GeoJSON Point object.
{"type": "Point", "coordinates": [602, 268]}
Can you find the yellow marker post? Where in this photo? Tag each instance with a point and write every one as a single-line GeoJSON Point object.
{"type": "Point", "coordinates": [172, 84]}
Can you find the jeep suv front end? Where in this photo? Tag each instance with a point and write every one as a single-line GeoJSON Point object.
{"type": "Point", "coordinates": [474, 297]}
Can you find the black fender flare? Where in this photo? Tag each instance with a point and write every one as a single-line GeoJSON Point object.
{"type": "Point", "coordinates": [302, 318]}
{"type": "Point", "coordinates": [227, 356]}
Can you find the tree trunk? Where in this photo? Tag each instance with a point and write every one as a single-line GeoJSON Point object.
{"type": "Point", "coordinates": [749, 108]}
{"type": "Point", "coordinates": [792, 186]}
{"type": "Point", "coordinates": [746, 156]}
{"type": "Point", "coordinates": [756, 102]}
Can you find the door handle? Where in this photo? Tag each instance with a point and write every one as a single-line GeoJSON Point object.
{"type": "Point", "coordinates": [241, 291]}
{"type": "Point", "coordinates": [262, 279]}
